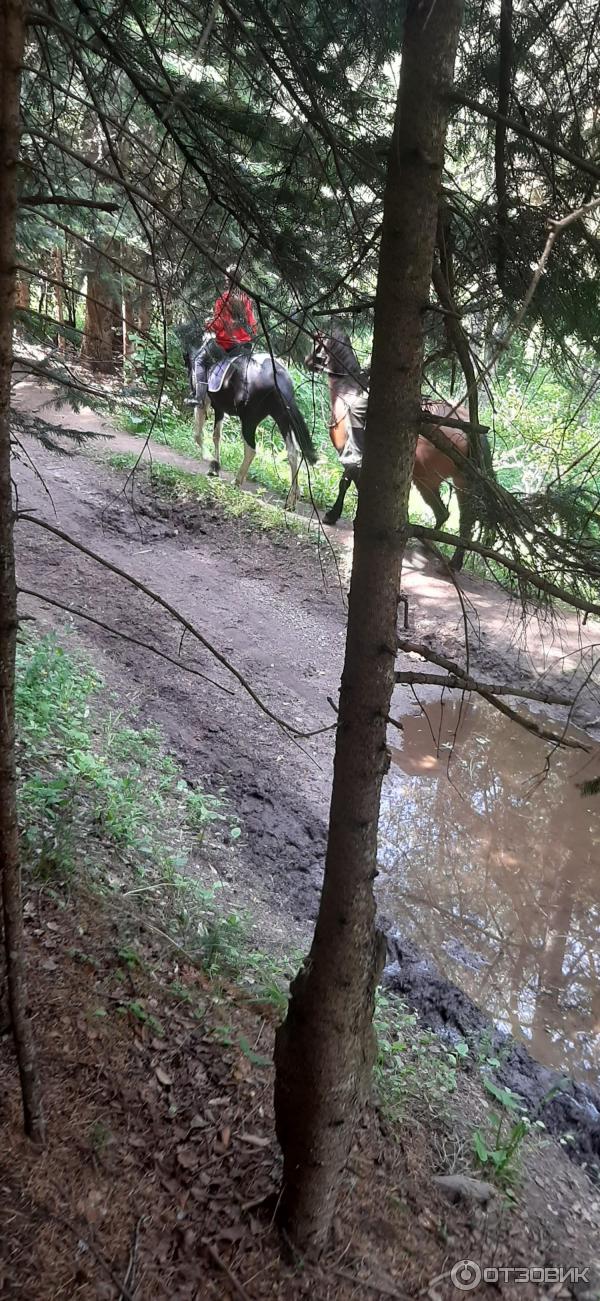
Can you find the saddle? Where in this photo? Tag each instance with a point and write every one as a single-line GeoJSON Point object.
{"type": "Point", "coordinates": [218, 374]}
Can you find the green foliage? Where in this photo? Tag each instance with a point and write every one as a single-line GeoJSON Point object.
{"type": "Point", "coordinates": [139, 1013]}
{"type": "Point", "coordinates": [87, 779]}
{"type": "Point", "coordinates": [203, 810]}
{"type": "Point", "coordinates": [413, 1065]}
{"type": "Point", "coordinates": [497, 1149]}
{"type": "Point", "coordinates": [545, 435]}
{"type": "Point", "coordinates": [156, 364]}
{"type": "Point", "coordinates": [95, 792]}
{"type": "Point", "coordinates": [221, 944]}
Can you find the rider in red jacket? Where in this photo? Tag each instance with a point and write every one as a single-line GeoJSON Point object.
{"type": "Point", "coordinates": [233, 323]}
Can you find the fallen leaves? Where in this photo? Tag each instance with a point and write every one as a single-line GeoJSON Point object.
{"type": "Point", "coordinates": [256, 1140]}
{"type": "Point", "coordinates": [162, 1077]}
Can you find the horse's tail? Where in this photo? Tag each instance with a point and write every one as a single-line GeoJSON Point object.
{"type": "Point", "coordinates": [301, 433]}
{"type": "Point", "coordinates": [288, 415]}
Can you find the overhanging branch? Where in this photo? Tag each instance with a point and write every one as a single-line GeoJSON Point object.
{"type": "Point", "coordinates": [583, 164]}
{"type": "Point", "coordinates": [523, 572]}
{"type": "Point", "coordinates": [457, 678]}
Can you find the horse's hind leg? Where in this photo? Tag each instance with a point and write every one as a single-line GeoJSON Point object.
{"type": "Point", "coordinates": [466, 525]}
{"type": "Point", "coordinates": [294, 463]}
{"type": "Point", "coordinates": [435, 503]}
{"type": "Point", "coordinates": [334, 512]}
{"type": "Point", "coordinates": [215, 464]}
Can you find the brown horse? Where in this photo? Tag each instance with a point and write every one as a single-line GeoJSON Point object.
{"type": "Point", "coordinates": [334, 356]}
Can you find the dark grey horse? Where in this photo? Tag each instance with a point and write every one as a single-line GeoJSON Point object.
{"type": "Point", "coordinates": [251, 387]}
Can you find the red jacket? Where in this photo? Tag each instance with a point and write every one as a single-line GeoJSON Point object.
{"type": "Point", "coordinates": [227, 323]}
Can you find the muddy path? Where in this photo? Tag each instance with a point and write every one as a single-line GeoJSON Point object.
{"type": "Point", "coordinates": [275, 606]}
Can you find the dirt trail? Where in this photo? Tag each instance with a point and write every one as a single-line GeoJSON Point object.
{"type": "Point", "coordinates": [274, 606]}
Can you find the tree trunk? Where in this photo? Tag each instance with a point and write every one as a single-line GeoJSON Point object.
{"type": "Point", "coordinates": [58, 275]}
{"type": "Point", "coordinates": [144, 311]}
{"type": "Point", "coordinates": [23, 292]}
{"type": "Point", "coordinates": [127, 323]}
{"type": "Point", "coordinates": [12, 35]}
{"type": "Point", "coordinates": [505, 73]}
{"type": "Point", "coordinates": [102, 316]}
{"type": "Point", "coordinates": [325, 1048]}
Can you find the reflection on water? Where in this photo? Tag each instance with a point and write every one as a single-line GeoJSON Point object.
{"type": "Point", "coordinates": [495, 873]}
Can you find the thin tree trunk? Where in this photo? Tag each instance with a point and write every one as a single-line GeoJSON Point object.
{"type": "Point", "coordinates": [102, 315]}
{"type": "Point", "coordinates": [58, 275]}
{"type": "Point", "coordinates": [505, 70]}
{"type": "Point", "coordinates": [325, 1048]}
{"type": "Point", "coordinates": [144, 312]}
{"type": "Point", "coordinates": [23, 292]}
{"type": "Point", "coordinates": [12, 35]}
{"type": "Point", "coordinates": [127, 323]}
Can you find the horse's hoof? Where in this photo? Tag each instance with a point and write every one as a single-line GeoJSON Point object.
{"type": "Point", "coordinates": [330, 519]}
{"type": "Point", "coordinates": [214, 468]}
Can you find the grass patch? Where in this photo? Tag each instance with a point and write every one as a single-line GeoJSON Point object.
{"type": "Point", "coordinates": [413, 1065]}
{"type": "Point", "coordinates": [103, 808]}
{"type": "Point", "coordinates": [176, 485]}
{"type": "Point", "coordinates": [102, 802]}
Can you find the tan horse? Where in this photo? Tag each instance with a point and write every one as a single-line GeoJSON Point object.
{"type": "Point", "coordinates": [334, 356]}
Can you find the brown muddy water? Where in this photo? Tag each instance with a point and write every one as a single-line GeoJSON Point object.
{"type": "Point", "coordinates": [490, 862]}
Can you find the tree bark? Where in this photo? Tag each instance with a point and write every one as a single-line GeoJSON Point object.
{"type": "Point", "coordinates": [12, 36]}
{"type": "Point", "coordinates": [58, 275]}
{"type": "Point", "coordinates": [325, 1048]}
{"type": "Point", "coordinates": [127, 324]}
{"type": "Point", "coordinates": [23, 292]}
{"type": "Point", "coordinates": [505, 70]}
{"type": "Point", "coordinates": [102, 316]}
{"type": "Point", "coordinates": [144, 311]}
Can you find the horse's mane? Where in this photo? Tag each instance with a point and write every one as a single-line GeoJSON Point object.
{"type": "Point", "coordinates": [343, 351]}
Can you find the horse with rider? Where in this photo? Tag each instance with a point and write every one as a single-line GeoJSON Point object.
{"type": "Point", "coordinates": [229, 374]}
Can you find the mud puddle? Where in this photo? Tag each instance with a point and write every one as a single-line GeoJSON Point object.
{"type": "Point", "coordinates": [489, 859]}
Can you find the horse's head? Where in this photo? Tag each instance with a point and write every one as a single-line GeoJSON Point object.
{"type": "Point", "coordinates": [318, 359]}
{"type": "Point", "coordinates": [333, 353]}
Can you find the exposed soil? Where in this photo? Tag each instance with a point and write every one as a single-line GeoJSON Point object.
{"type": "Point", "coordinates": [160, 1175]}
{"type": "Point", "coordinates": [275, 606]}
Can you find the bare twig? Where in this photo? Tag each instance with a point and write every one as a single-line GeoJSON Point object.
{"type": "Point", "coordinates": [519, 129]}
{"type": "Point", "coordinates": [459, 679]}
{"type": "Point", "coordinates": [422, 533]}
{"type": "Point", "coordinates": [384, 1289]}
{"type": "Point", "coordinates": [66, 201]}
{"type": "Point", "coordinates": [125, 636]}
{"type": "Point", "coordinates": [218, 1260]}
{"type": "Point", "coordinates": [527, 693]}
{"type": "Point", "coordinates": [128, 1281]}
{"type": "Point", "coordinates": [464, 682]}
